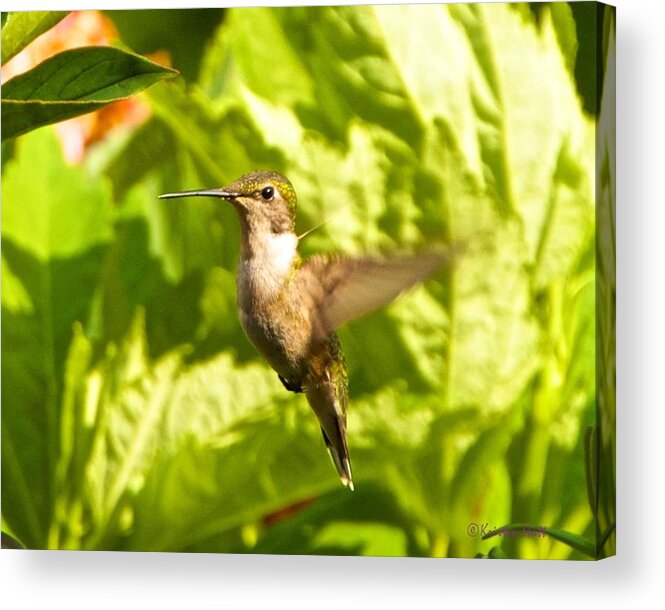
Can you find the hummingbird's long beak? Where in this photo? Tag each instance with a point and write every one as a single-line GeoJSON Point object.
{"type": "Point", "coordinates": [220, 193]}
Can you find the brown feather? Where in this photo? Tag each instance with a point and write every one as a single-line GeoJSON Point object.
{"type": "Point", "coordinates": [345, 289]}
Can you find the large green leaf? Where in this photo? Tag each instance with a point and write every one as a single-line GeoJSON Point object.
{"type": "Point", "coordinates": [21, 28]}
{"type": "Point", "coordinates": [72, 83]}
{"type": "Point", "coordinates": [54, 230]}
{"type": "Point", "coordinates": [148, 441]}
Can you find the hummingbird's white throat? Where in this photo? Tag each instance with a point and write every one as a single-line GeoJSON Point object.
{"type": "Point", "coordinates": [270, 261]}
{"type": "Point", "coordinates": [282, 250]}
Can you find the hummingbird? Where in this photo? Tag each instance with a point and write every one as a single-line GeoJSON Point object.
{"type": "Point", "coordinates": [290, 308]}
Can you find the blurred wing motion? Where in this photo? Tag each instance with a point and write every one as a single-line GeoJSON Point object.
{"type": "Point", "coordinates": [352, 287]}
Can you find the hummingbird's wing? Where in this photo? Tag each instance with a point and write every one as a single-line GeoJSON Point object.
{"type": "Point", "coordinates": [349, 288]}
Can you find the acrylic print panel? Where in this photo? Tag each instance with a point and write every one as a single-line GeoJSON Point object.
{"type": "Point", "coordinates": [138, 413]}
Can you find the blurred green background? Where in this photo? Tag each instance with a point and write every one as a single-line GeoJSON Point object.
{"type": "Point", "coordinates": [136, 416]}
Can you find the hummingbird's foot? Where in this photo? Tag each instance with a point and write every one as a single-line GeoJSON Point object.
{"type": "Point", "coordinates": [291, 385]}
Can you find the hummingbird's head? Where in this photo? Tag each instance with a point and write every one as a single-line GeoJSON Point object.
{"type": "Point", "coordinates": [265, 200]}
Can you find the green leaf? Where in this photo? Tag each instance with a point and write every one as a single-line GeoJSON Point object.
{"type": "Point", "coordinates": [136, 432]}
{"type": "Point", "coordinates": [475, 478]}
{"type": "Point", "coordinates": [564, 26]}
{"type": "Point", "coordinates": [59, 215]}
{"type": "Point", "coordinates": [72, 83]}
{"type": "Point", "coordinates": [21, 28]}
{"type": "Point", "coordinates": [239, 453]}
{"type": "Point", "coordinates": [54, 232]}
{"type": "Point", "coordinates": [367, 522]}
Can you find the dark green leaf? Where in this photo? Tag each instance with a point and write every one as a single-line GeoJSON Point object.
{"type": "Point", "coordinates": [73, 83]}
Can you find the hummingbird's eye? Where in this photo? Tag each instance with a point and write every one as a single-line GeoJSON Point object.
{"type": "Point", "coordinates": [267, 193]}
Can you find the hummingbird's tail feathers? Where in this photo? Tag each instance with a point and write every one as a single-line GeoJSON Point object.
{"type": "Point", "coordinates": [342, 464]}
{"type": "Point", "coordinates": [328, 400]}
